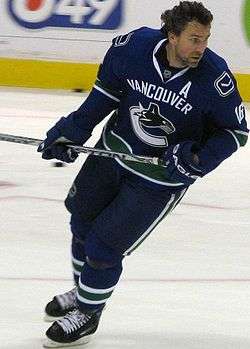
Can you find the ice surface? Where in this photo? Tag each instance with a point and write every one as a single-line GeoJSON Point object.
{"type": "Point", "coordinates": [187, 287]}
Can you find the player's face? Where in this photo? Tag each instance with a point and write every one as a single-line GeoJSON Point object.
{"type": "Point", "coordinates": [190, 45]}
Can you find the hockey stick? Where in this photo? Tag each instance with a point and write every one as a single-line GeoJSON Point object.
{"type": "Point", "coordinates": [88, 150]}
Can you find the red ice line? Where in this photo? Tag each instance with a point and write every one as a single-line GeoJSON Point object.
{"type": "Point", "coordinates": [10, 278]}
{"type": "Point", "coordinates": [5, 184]}
{"type": "Point", "coordinates": [16, 197]}
{"type": "Point", "coordinates": [28, 116]}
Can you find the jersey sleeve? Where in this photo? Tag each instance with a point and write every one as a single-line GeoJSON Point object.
{"type": "Point", "coordinates": [104, 96]}
{"type": "Point", "coordinates": [227, 123]}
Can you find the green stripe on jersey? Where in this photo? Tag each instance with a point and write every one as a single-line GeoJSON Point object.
{"type": "Point", "coordinates": [241, 136]}
{"type": "Point", "coordinates": [156, 173]}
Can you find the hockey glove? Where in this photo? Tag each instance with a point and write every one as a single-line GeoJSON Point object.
{"type": "Point", "coordinates": [182, 163]}
{"type": "Point", "coordinates": [58, 137]}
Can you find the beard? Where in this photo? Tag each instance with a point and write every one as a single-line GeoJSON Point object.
{"type": "Point", "coordinates": [191, 61]}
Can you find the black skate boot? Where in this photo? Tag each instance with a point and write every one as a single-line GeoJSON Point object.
{"type": "Point", "coordinates": [73, 329]}
{"type": "Point", "coordinates": [60, 305]}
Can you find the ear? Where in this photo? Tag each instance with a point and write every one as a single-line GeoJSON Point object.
{"type": "Point", "coordinates": [172, 38]}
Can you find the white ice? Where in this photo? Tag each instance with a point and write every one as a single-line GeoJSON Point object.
{"type": "Point", "coordinates": [187, 287]}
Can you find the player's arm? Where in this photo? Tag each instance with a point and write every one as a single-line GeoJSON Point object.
{"type": "Point", "coordinates": [225, 131]}
{"type": "Point", "coordinates": [77, 126]}
{"type": "Point", "coordinates": [226, 128]}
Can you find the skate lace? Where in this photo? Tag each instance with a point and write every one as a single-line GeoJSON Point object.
{"type": "Point", "coordinates": [73, 321]}
{"type": "Point", "coordinates": [67, 299]}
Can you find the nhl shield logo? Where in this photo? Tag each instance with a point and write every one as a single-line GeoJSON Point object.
{"type": "Point", "coordinates": [150, 126]}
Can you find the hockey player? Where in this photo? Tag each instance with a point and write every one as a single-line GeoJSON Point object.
{"type": "Point", "coordinates": [170, 97]}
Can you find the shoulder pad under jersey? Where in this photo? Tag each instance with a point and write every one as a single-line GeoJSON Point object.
{"type": "Point", "coordinates": [136, 43]}
{"type": "Point", "coordinates": [216, 76]}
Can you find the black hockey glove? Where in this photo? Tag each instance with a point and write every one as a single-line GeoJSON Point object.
{"type": "Point", "coordinates": [55, 144]}
{"type": "Point", "coordinates": [182, 163]}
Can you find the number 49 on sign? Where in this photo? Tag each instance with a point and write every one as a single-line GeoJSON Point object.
{"type": "Point", "coordinates": [90, 14]}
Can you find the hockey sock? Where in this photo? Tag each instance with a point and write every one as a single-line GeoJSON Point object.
{"type": "Point", "coordinates": [96, 286]}
{"type": "Point", "coordinates": [78, 258]}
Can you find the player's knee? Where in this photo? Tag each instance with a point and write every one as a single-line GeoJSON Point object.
{"type": "Point", "coordinates": [100, 265]}
{"type": "Point", "coordinates": [79, 227]}
{"type": "Point", "coordinates": [99, 255]}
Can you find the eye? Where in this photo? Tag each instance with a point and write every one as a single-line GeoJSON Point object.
{"type": "Point", "coordinates": [194, 40]}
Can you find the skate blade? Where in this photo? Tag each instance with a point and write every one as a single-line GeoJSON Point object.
{"type": "Point", "coordinates": [48, 343]}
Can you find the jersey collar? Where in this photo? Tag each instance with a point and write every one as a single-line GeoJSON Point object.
{"type": "Point", "coordinates": [157, 66]}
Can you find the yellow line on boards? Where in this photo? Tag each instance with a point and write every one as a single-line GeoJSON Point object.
{"type": "Point", "coordinates": [47, 74]}
{"type": "Point", "coordinates": [243, 82]}
{"type": "Point", "coordinates": [68, 75]}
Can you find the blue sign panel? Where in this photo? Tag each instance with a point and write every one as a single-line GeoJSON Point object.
{"type": "Point", "coordinates": [83, 14]}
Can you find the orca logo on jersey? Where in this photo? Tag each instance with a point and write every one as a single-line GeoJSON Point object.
{"type": "Point", "coordinates": [146, 122]}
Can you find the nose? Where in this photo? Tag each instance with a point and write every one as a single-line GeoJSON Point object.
{"type": "Point", "coordinates": [201, 47]}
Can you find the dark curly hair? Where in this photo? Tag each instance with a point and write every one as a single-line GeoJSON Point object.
{"type": "Point", "coordinates": [176, 19]}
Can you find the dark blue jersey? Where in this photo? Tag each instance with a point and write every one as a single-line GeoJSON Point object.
{"type": "Point", "coordinates": [156, 106]}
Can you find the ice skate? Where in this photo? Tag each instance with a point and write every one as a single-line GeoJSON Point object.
{"type": "Point", "coordinates": [73, 329]}
{"type": "Point", "coordinates": [60, 305]}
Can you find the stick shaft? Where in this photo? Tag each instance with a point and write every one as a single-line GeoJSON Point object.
{"type": "Point", "coordinates": [82, 149]}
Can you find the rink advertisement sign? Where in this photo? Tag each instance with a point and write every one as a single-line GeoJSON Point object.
{"type": "Point", "coordinates": [82, 30]}
{"type": "Point", "coordinates": [85, 14]}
